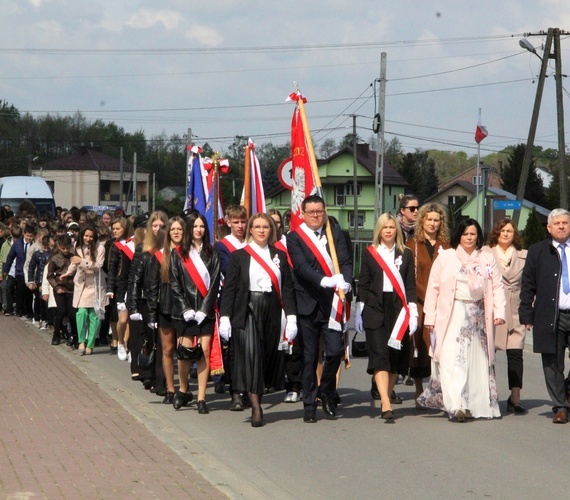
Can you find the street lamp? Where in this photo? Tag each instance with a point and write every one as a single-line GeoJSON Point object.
{"type": "Point", "coordinates": [525, 44]}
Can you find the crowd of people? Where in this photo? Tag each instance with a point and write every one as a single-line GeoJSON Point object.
{"type": "Point", "coordinates": [261, 311]}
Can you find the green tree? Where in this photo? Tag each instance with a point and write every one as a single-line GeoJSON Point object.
{"type": "Point", "coordinates": [534, 231]}
{"type": "Point", "coordinates": [327, 148]}
{"type": "Point", "coordinates": [534, 190]}
{"type": "Point", "coordinates": [394, 153]}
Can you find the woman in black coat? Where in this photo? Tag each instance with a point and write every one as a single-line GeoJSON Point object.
{"type": "Point", "coordinates": [257, 289]}
{"type": "Point", "coordinates": [195, 282]}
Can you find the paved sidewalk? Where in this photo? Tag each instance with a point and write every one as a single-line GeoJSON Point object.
{"type": "Point", "coordinates": [62, 436]}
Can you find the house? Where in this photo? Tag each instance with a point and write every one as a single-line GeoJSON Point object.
{"type": "Point", "coordinates": [458, 190]}
{"type": "Point", "coordinates": [494, 212]}
{"type": "Point", "coordinates": [337, 178]}
{"type": "Point", "coordinates": [91, 178]}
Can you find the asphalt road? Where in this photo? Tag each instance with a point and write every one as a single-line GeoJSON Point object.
{"type": "Point", "coordinates": [421, 455]}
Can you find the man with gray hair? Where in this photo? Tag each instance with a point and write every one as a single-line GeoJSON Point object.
{"type": "Point", "coordinates": [545, 306]}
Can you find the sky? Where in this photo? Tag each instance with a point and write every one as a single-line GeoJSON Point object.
{"type": "Point", "coordinates": [225, 67]}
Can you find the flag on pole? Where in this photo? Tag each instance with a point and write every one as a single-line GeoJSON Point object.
{"type": "Point", "coordinates": [253, 197]}
{"type": "Point", "coordinates": [196, 189]}
{"type": "Point", "coordinates": [480, 133]}
{"type": "Point", "coordinates": [223, 168]}
{"type": "Point", "coordinates": [303, 180]}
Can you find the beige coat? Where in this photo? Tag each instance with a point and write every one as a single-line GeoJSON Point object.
{"type": "Point", "coordinates": [440, 296]}
{"type": "Point", "coordinates": [512, 334]}
{"type": "Point", "coordinates": [86, 277]}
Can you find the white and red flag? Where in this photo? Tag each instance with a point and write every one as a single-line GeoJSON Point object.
{"type": "Point", "coordinates": [253, 197]}
{"type": "Point", "coordinates": [303, 179]}
{"type": "Point", "coordinates": [480, 133]}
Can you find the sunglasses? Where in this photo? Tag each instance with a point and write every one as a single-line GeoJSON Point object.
{"type": "Point", "coordinates": [413, 209]}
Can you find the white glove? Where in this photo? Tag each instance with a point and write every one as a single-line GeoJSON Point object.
{"type": "Point", "coordinates": [121, 306]}
{"type": "Point", "coordinates": [189, 315]}
{"type": "Point", "coordinates": [199, 317]}
{"type": "Point", "coordinates": [110, 294]}
{"type": "Point", "coordinates": [153, 326]}
{"type": "Point", "coordinates": [136, 317]}
{"type": "Point", "coordinates": [291, 328]}
{"type": "Point", "coordinates": [344, 286]}
{"type": "Point", "coordinates": [328, 282]}
{"type": "Point", "coordinates": [413, 325]}
{"type": "Point", "coordinates": [225, 328]}
{"type": "Point", "coordinates": [358, 317]}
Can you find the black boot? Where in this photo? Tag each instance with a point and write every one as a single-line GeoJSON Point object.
{"type": "Point", "coordinates": [55, 340]}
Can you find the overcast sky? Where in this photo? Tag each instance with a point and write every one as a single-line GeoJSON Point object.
{"type": "Point", "coordinates": [225, 67]}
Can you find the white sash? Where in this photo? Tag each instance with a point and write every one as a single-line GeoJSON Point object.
{"type": "Point", "coordinates": [200, 266]}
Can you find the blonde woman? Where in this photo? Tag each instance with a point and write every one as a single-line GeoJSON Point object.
{"type": "Point", "coordinates": [386, 306]}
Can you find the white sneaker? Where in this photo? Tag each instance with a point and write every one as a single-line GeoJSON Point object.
{"type": "Point", "coordinates": [121, 352]}
{"type": "Point", "coordinates": [292, 397]}
{"type": "Point", "coordinates": [43, 325]}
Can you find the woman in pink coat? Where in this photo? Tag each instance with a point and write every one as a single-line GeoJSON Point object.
{"type": "Point", "coordinates": [465, 299]}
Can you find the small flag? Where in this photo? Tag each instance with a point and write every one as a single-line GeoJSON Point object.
{"type": "Point", "coordinates": [480, 133]}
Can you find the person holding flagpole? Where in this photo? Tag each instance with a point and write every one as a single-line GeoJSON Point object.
{"type": "Point", "coordinates": [386, 306]}
{"type": "Point", "coordinates": [320, 309]}
{"type": "Point", "coordinates": [195, 281]}
{"type": "Point", "coordinates": [258, 301]}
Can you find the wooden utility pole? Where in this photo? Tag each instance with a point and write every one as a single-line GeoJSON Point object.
{"type": "Point", "coordinates": [533, 123]}
{"type": "Point", "coordinates": [355, 176]}
{"type": "Point", "coordinates": [560, 115]}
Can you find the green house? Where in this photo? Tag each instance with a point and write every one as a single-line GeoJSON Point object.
{"type": "Point", "coordinates": [337, 179]}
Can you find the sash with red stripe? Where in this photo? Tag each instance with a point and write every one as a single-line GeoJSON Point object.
{"type": "Point", "coordinates": [261, 261]}
{"type": "Point", "coordinates": [403, 319]}
{"type": "Point", "coordinates": [228, 245]}
{"type": "Point", "coordinates": [283, 248]}
{"type": "Point", "coordinates": [337, 317]}
{"type": "Point", "coordinates": [125, 248]}
{"type": "Point", "coordinates": [216, 362]}
{"type": "Point", "coordinates": [159, 255]}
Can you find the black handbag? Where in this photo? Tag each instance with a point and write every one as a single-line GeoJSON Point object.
{"type": "Point", "coordinates": [195, 353]}
{"type": "Point", "coordinates": [359, 349]}
{"type": "Point", "coordinates": [146, 356]}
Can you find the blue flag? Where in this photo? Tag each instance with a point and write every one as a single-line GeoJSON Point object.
{"type": "Point", "coordinates": [195, 193]}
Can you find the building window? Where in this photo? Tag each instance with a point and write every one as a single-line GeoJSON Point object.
{"type": "Point", "coordinates": [474, 180]}
{"type": "Point", "coordinates": [341, 191]}
{"type": "Point", "coordinates": [361, 219]}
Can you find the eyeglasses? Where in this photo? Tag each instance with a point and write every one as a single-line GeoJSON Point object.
{"type": "Point", "coordinates": [315, 213]}
{"type": "Point", "coordinates": [413, 208]}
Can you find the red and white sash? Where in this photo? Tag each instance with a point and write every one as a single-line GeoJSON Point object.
{"type": "Point", "coordinates": [159, 254]}
{"type": "Point", "coordinates": [127, 247]}
{"type": "Point", "coordinates": [197, 271]}
{"type": "Point", "coordinates": [395, 278]}
{"type": "Point", "coordinates": [283, 247]}
{"type": "Point", "coordinates": [338, 311]}
{"type": "Point", "coordinates": [232, 243]}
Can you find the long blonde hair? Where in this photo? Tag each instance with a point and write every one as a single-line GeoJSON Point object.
{"type": "Point", "coordinates": [380, 223]}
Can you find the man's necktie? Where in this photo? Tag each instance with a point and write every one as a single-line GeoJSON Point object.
{"type": "Point", "coordinates": [317, 234]}
{"type": "Point", "coordinates": [565, 280]}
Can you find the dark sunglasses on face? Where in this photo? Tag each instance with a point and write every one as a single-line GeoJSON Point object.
{"type": "Point", "coordinates": [413, 209]}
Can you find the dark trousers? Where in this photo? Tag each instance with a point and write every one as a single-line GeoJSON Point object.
{"type": "Point", "coordinates": [311, 328]}
{"type": "Point", "coordinates": [64, 309]}
{"type": "Point", "coordinates": [515, 367]}
{"type": "Point", "coordinates": [553, 366]}
{"type": "Point", "coordinates": [40, 306]}
{"type": "Point", "coordinates": [293, 368]}
{"type": "Point", "coordinates": [21, 295]}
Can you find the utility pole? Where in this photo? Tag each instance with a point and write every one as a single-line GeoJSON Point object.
{"type": "Point", "coordinates": [121, 178]}
{"type": "Point", "coordinates": [355, 178]}
{"type": "Point", "coordinates": [135, 194]}
{"type": "Point", "coordinates": [188, 153]}
{"type": "Point", "coordinates": [560, 114]}
{"type": "Point", "coordinates": [533, 123]}
{"type": "Point", "coordinates": [378, 128]}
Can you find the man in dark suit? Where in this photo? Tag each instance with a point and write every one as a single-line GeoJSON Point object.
{"type": "Point", "coordinates": [545, 306]}
{"type": "Point", "coordinates": [315, 295]}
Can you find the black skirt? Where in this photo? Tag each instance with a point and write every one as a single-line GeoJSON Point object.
{"type": "Point", "coordinates": [193, 329]}
{"type": "Point", "coordinates": [381, 357]}
{"type": "Point", "coordinates": [255, 364]}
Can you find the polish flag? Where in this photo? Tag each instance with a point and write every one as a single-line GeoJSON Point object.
{"type": "Point", "coordinates": [480, 133]}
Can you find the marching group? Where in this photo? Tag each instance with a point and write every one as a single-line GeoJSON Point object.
{"type": "Point", "coordinates": [260, 310]}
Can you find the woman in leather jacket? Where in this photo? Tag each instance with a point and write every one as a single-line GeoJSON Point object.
{"type": "Point", "coordinates": [160, 301]}
{"type": "Point", "coordinates": [195, 281]}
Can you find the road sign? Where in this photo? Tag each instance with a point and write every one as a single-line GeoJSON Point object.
{"type": "Point", "coordinates": [507, 205]}
{"type": "Point", "coordinates": [285, 174]}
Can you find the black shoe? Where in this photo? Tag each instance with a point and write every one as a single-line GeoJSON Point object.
{"type": "Point", "coordinates": [220, 387]}
{"type": "Point", "coordinates": [159, 391]}
{"type": "Point", "coordinates": [55, 340]}
{"type": "Point", "coordinates": [194, 373]}
{"type": "Point", "coordinates": [310, 416]}
{"type": "Point", "coordinates": [236, 404]}
{"type": "Point", "coordinates": [168, 397]}
{"type": "Point", "coordinates": [515, 407]}
{"type": "Point", "coordinates": [328, 407]}
{"type": "Point", "coordinates": [409, 381]}
{"type": "Point", "coordinates": [181, 399]}
{"type": "Point", "coordinates": [388, 416]}
{"type": "Point", "coordinates": [395, 399]}
{"type": "Point", "coordinates": [202, 407]}
{"type": "Point", "coordinates": [256, 417]}
{"type": "Point", "coordinates": [147, 383]}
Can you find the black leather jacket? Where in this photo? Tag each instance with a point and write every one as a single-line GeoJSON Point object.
{"type": "Point", "coordinates": [185, 295]}
{"type": "Point", "coordinates": [118, 277]}
{"type": "Point", "coordinates": [139, 282]}
{"type": "Point", "coordinates": [159, 295]}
